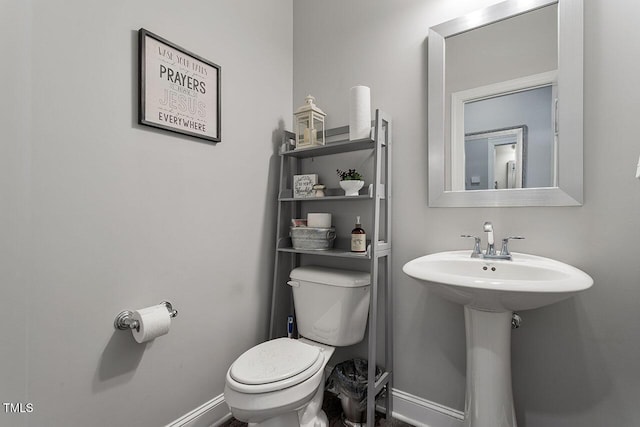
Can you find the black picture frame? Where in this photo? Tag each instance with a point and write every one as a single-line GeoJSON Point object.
{"type": "Point", "coordinates": [179, 91]}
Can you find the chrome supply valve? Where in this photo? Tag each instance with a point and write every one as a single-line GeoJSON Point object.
{"type": "Point", "coordinates": [477, 252]}
{"type": "Point", "coordinates": [505, 245]}
{"type": "Point", "coordinates": [516, 321]}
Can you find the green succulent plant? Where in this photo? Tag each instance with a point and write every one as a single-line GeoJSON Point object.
{"type": "Point", "coordinates": [349, 175]}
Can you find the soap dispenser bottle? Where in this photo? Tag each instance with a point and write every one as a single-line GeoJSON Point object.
{"type": "Point", "coordinates": [358, 238]}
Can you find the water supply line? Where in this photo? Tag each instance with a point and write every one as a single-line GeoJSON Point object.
{"type": "Point", "coordinates": [516, 321]}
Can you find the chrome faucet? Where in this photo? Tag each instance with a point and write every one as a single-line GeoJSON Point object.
{"type": "Point", "coordinates": [490, 253]}
{"type": "Point", "coordinates": [491, 249]}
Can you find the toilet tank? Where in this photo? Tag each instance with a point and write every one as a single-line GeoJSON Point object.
{"type": "Point", "coordinates": [332, 305]}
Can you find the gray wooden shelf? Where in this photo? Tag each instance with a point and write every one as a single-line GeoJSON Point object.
{"type": "Point", "coordinates": [342, 253]}
{"type": "Point", "coordinates": [284, 245]}
{"type": "Point", "coordinates": [286, 195]}
{"type": "Point", "coordinates": [378, 255]}
{"type": "Point", "coordinates": [325, 199]}
{"type": "Point", "coordinates": [336, 147]}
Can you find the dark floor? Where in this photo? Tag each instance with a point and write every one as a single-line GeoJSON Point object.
{"type": "Point", "coordinates": [331, 406]}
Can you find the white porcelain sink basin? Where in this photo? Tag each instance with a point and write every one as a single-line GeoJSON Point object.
{"type": "Point", "coordinates": [525, 282]}
{"type": "Point", "coordinates": [490, 291]}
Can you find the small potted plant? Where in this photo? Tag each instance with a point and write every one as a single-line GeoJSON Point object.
{"type": "Point", "coordinates": [350, 181]}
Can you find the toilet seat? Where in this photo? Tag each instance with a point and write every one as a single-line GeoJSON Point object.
{"type": "Point", "coordinates": [274, 365]}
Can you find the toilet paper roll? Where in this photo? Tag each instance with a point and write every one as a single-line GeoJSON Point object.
{"type": "Point", "coordinates": [153, 322]}
{"type": "Point", "coordinates": [359, 112]}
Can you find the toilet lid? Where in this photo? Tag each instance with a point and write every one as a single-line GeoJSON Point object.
{"type": "Point", "coordinates": [273, 361]}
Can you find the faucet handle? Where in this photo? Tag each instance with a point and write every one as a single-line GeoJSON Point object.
{"type": "Point", "coordinates": [505, 244]}
{"type": "Point", "coordinates": [476, 247]}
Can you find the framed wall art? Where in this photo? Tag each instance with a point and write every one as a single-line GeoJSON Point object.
{"type": "Point", "coordinates": [179, 90]}
{"type": "Point", "coordinates": [303, 185]}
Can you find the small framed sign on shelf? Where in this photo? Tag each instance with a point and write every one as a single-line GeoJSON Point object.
{"type": "Point", "coordinates": [303, 185]}
{"type": "Point", "coordinates": [179, 90]}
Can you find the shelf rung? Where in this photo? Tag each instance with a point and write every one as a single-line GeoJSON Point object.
{"type": "Point", "coordinates": [325, 198]}
{"type": "Point", "coordinates": [329, 252]}
{"type": "Point", "coordinates": [286, 195]}
{"type": "Point", "coordinates": [383, 246]}
{"type": "Point", "coordinates": [343, 146]}
{"type": "Point", "coordinates": [382, 381]}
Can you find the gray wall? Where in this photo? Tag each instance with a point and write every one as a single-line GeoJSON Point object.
{"type": "Point", "coordinates": [521, 46]}
{"type": "Point", "coordinates": [574, 362]}
{"type": "Point", "coordinates": [476, 164]}
{"type": "Point", "coordinates": [14, 195]}
{"type": "Point", "coordinates": [99, 214]}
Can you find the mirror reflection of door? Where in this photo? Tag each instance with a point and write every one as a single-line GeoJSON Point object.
{"type": "Point", "coordinates": [505, 167]}
{"type": "Point", "coordinates": [533, 108]}
{"type": "Point", "coordinates": [496, 159]}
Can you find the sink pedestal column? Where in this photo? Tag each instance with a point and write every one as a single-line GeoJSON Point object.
{"type": "Point", "coordinates": [489, 398]}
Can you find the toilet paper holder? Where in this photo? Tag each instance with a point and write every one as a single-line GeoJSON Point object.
{"type": "Point", "coordinates": [124, 320]}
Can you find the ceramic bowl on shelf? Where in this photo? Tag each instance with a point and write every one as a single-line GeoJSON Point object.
{"type": "Point", "coordinates": [351, 187]}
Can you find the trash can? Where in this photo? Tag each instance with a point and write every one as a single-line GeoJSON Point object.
{"type": "Point", "coordinates": [349, 381]}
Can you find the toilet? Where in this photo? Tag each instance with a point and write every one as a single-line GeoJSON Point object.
{"type": "Point", "coordinates": [280, 383]}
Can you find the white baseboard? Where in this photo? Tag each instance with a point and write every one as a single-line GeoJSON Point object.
{"type": "Point", "coordinates": [424, 413]}
{"type": "Point", "coordinates": [209, 414]}
{"type": "Point", "coordinates": [406, 407]}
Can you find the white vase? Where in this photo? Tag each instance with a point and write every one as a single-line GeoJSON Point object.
{"type": "Point", "coordinates": [351, 187]}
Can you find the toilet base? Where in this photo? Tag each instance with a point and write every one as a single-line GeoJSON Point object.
{"type": "Point", "coordinates": [285, 420]}
{"type": "Point", "coordinates": [320, 420]}
{"type": "Point", "coordinates": [292, 419]}
{"type": "Point", "coordinates": [312, 415]}
{"type": "Point", "coordinates": [306, 417]}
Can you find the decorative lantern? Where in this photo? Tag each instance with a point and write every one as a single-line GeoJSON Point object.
{"type": "Point", "coordinates": [309, 124]}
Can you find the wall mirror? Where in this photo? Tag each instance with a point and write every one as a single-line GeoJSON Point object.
{"type": "Point", "coordinates": [505, 106]}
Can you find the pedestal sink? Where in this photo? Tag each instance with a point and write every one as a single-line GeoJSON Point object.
{"type": "Point", "coordinates": [491, 290]}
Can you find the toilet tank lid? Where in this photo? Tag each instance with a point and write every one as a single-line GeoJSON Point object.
{"type": "Point", "coordinates": [331, 276]}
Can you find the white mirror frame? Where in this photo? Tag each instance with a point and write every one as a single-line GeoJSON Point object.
{"type": "Point", "coordinates": [569, 158]}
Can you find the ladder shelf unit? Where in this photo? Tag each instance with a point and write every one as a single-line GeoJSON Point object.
{"type": "Point", "coordinates": [376, 202]}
